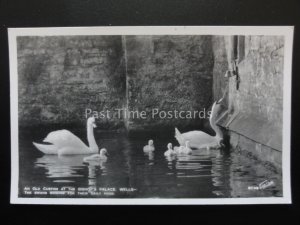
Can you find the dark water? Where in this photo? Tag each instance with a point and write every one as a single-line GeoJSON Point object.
{"type": "Point", "coordinates": [204, 174]}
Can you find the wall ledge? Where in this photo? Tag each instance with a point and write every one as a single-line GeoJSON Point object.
{"type": "Point", "coordinates": [254, 128]}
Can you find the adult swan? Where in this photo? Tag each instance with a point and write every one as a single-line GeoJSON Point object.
{"type": "Point", "coordinates": [200, 139]}
{"type": "Point", "coordinates": [63, 142]}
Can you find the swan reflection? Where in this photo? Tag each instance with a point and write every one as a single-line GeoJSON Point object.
{"type": "Point", "coordinates": [61, 166]}
{"type": "Point", "coordinates": [198, 164]}
{"type": "Point", "coordinates": [70, 167]}
{"type": "Point", "coordinates": [94, 168]}
{"type": "Point", "coordinates": [150, 156]}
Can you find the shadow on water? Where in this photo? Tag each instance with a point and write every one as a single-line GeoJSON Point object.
{"type": "Point", "coordinates": [204, 174]}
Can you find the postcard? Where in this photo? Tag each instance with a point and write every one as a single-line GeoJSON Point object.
{"type": "Point", "coordinates": [185, 115]}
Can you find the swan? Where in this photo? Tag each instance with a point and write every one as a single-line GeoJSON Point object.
{"type": "Point", "coordinates": [186, 150]}
{"type": "Point", "coordinates": [97, 157]}
{"type": "Point", "coordinates": [63, 142]}
{"type": "Point", "coordinates": [170, 151]}
{"type": "Point", "coordinates": [149, 147]}
{"type": "Point", "coordinates": [200, 139]}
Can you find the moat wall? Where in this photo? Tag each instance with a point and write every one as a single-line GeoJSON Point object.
{"type": "Point", "coordinates": [61, 77]}
{"type": "Point", "coordinates": [255, 103]}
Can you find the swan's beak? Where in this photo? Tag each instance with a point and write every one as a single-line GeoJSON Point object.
{"type": "Point", "coordinates": [222, 145]}
{"type": "Point", "coordinates": [219, 101]}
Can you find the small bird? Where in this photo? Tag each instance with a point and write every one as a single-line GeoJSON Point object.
{"type": "Point", "coordinates": [102, 156]}
{"type": "Point", "coordinates": [184, 150]}
{"type": "Point", "coordinates": [170, 151]}
{"type": "Point", "coordinates": [178, 149]}
{"type": "Point", "coordinates": [149, 147]}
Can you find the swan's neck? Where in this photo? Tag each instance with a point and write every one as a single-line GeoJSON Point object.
{"type": "Point", "coordinates": [215, 127]}
{"type": "Point", "coordinates": [91, 139]}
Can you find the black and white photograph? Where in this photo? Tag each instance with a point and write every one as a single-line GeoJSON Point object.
{"type": "Point", "coordinates": [150, 115]}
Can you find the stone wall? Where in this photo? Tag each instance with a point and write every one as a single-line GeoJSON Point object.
{"type": "Point", "coordinates": [261, 74]}
{"type": "Point", "coordinates": [260, 93]}
{"type": "Point", "coordinates": [255, 106]}
{"type": "Point", "coordinates": [59, 77]}
{"type": "Point", "coordinates": [220, 67]}
{"type": "Point", "coordinates": [168, 73]}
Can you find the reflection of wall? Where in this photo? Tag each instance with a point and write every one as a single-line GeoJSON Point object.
{"type": "Point", "coordinates": [168, 73]}
{"type": "Point", "coordinates": [59, 77]}
{"type": "Point", "coordinates": [242, 170]}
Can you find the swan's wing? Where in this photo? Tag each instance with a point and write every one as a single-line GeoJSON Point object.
{"type": "Point", "coordinates": [46, 149]}
{"type": "Point", "coordinates": [63, 138]}
{"type": "Point", "coordinates": [198, 138]}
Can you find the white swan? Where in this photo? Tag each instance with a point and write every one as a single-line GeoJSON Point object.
{"type": "Point", "coordinates": [63, 142]}
{"type": "Point", "coordinates": [200, 139]}
{"type": "Point", "coordinates": [149, 147]}
{"type": "Point", "coordinates": [97, 157]}
{"type": "Point", "coordinates": [170, 151]}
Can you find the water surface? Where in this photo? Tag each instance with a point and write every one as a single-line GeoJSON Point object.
{"type": "Point", "coordinates": [130, 173]}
